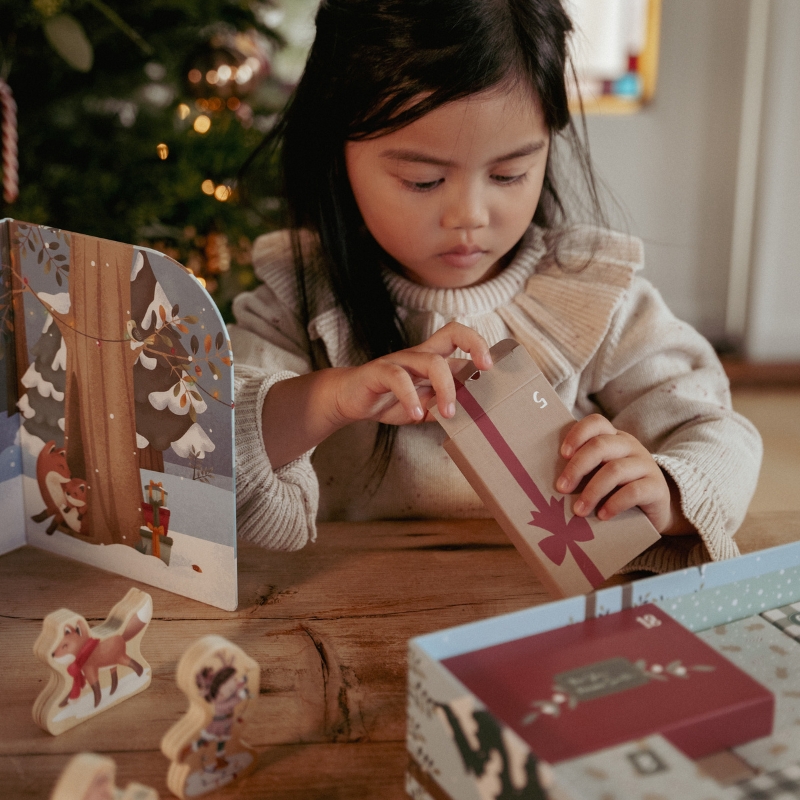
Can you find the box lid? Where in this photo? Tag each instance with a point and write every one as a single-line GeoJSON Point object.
{"type": "Point", "coordinates": [597, 683]}
{"type": "Point", "coordinates": [513, 368]}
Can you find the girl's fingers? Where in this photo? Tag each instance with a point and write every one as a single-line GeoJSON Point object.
{"type": "Point", "coordinates": [638, 493]}
{"type": "Point", "coordinates": [625, 474]}
{"type": "Point", "coordinates": [589, 456]}
{"type": "Point", "coordinates": [392, 384]}
{"type": "Point", "coordinates": [454, 336]}
{"type": "Point", "coordinates": [584, 430]}
{"type": "Point", "coordinates": [628, 476]}
{"type": "Point", "coordinates": [432, 373]}
{"type": "Point", "coordinates": [411, 377]}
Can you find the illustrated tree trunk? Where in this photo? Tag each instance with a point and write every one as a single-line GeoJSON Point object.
{"type": "Point", "coordinates": [152, 459]}
{"type": "Point", "coordinates": [100, 429]}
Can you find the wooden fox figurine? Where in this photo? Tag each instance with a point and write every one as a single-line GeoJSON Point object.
{"type": "Point", "coordinates": [89, 776]}
{"type": "Point", "coordinates": [205, 746]}
{"type": "Point", "coordinates": [92, 668]}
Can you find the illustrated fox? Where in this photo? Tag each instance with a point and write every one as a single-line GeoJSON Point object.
{"type": "Point", "coordinates": [86, 656]}
{"type": "Point", "coordinates": [65, 497]}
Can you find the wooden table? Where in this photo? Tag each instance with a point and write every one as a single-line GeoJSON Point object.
{"type": "Point", "coordinates": [329, 626]}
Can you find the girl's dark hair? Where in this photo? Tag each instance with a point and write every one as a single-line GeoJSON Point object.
{"type": "Point", "coordinates": [375, 66]}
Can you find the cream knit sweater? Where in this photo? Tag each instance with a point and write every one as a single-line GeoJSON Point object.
{"type": "Point", "coordinates": [603, 338]}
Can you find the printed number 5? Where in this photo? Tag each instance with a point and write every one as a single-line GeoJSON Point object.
{"type": "Point", "coordinates": [540, 401]}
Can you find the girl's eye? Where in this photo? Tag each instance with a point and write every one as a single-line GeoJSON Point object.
{"type": "Point", "coordinates": [422, 186]}
{"type": "Point", "coordinates": [504, 180]}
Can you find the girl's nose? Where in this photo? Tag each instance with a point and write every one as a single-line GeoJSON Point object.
{"type": "Point", "coordinates": [464, 208]}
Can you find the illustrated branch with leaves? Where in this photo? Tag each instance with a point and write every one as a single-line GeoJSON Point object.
{"type": "Point", "coordinates": [562, 698]}
{"type": "Point", "coordinates": [189, 368]}
{"type": "Point", "coordinates": [159, 344]}
{"type": "Point", "coordinates": [47, 251]}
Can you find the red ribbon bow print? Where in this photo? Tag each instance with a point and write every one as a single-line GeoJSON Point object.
{"type": "Point", "coordinates": [565, 536]}
{"type": "Point", "coordinates": [549, 516]}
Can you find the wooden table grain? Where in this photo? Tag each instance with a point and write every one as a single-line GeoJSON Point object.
{"type": "Point", "coordinates": [329, 626]}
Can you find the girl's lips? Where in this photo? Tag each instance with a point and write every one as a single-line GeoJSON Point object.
{"type": "Point", "coordinates": [462, 257]}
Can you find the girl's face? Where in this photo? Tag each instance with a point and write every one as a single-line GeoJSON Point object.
{"type": "Point", "coordinates": [449, 195]}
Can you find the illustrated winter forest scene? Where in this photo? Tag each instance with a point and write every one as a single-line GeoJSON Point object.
{"type": "Point", "coordinates": [116, 420]}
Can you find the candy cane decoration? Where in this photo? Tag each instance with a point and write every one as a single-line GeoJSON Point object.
{"type": "Point", "coordinates": [8, 130]}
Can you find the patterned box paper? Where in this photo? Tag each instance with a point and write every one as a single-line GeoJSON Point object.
{"type": "Point", "coordinates": [777, 751]}
{"type": "Point", "coordinates": [787, 618]}
{"type": "Point", "coordinates": [769, 656]}
{"type": "Point", "coordinates": [779, 785]}
{"type": "Point", "coordinates": [644, 770]}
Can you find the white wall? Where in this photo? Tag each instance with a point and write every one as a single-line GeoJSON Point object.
{"type": "Point", "coordinates": [672, 166]}
{"type": "Point", "coordinates": [773, 331]}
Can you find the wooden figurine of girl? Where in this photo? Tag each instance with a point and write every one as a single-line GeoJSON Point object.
{"type": "Point", "coordinates": [205, 746]}
{"type": "Point", "coordinates": [89, 776]}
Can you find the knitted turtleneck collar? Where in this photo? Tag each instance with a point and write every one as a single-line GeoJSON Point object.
{"type": "Point", "coordinates": [472, 300]}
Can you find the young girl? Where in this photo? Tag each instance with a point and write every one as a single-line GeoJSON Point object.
{"type": "Point", "coordinates": [418, 161]}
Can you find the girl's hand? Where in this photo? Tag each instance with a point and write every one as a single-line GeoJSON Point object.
{"type": "Point", "coordinates": [395, 388]}
{"type": "Point", "coordinates": [626, 476]}
{"type": "Point", "coordinates": [299, 413]}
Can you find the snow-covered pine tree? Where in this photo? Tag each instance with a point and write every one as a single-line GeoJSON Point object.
{"type": "Point", "coordinates": [167, 401]}
{"type": "Point", "coordinates": [42, 406]}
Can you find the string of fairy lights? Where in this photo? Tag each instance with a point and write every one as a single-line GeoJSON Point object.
{"type": "Point", "coordinates": [222, 77]}
{"type": "Point", "coordinates": [219, 77]}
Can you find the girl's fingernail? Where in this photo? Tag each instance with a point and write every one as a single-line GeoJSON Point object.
{"type": "Point", "coordinates": [580, 507]}
{"type": "Point", "coordinates": [417, 412]}
{"type": "Point", "coordinates": [450, 410]}
{"type": "Point", "coordinates": [566, 451]}
{"type": "Point", "coordinates": [562, 485]}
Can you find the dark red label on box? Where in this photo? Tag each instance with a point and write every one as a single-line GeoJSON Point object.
{"type": "Point", "coordinates": [595, 684]}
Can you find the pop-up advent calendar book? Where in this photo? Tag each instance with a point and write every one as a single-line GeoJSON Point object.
{"type": "Point", "coordinates": [116, 412]}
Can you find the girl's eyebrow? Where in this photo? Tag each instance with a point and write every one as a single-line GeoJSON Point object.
{"type": "Point", "coordinates": [416, 157]}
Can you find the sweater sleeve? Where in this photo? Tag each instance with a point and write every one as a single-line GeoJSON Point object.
{"type": "Point", "coordinates": [275, 508]}
{"type": "Point", "coordinates": [660, 380]}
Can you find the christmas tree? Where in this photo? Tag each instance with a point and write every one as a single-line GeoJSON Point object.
{"type": "Point", "coordinates": [134, 119]}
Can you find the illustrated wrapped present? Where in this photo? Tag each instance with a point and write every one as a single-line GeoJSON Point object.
{"type": "Point", "coordinates": [505, 437]}
{"type": "Point", "coordinates": [155, 541]}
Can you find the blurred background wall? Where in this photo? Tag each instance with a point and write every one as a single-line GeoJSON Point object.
{"type": "Point", "coordinates": [676, 171]}
{"type": "Point", "coordinates": [774, 329]}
